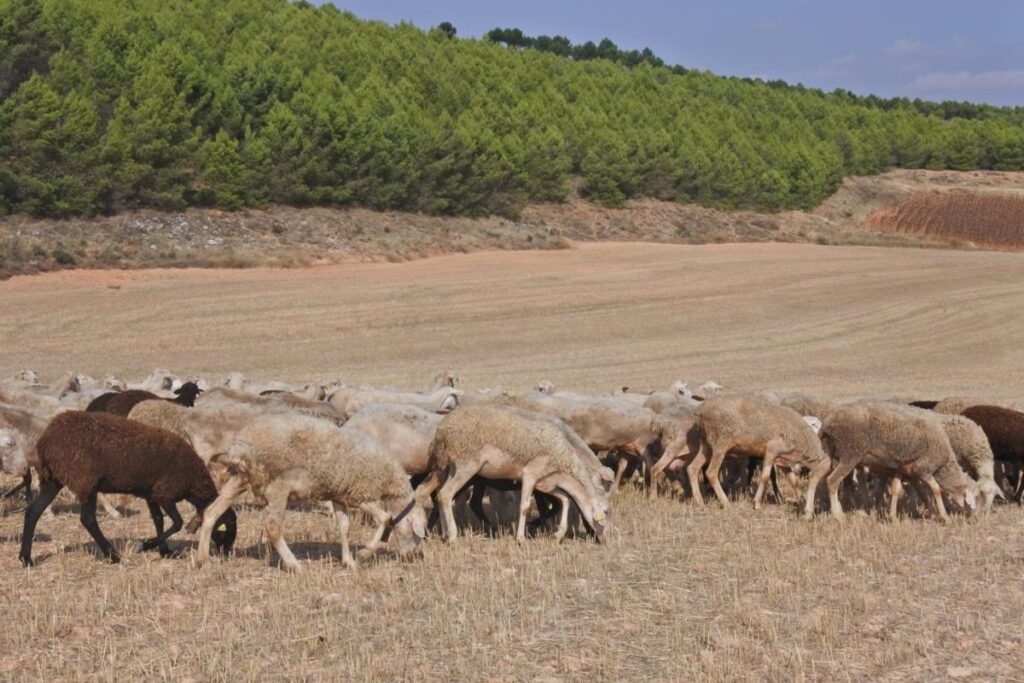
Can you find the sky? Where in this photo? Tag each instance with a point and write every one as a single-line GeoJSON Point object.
{"type": "Point", "coordinates": [933, 49]}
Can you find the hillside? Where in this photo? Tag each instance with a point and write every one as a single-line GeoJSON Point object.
{"type": "Point", "coordinates": [109, 106]}
{"type": "Point", "coordinates": [288, 236]}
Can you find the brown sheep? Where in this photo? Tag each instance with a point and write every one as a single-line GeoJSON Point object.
{"type": "Point", "coordinates": [95, 452]}
{"type": "Point", "coordinates": [1005, 431]}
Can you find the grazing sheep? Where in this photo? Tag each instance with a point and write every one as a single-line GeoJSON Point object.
{"type": "Point", "coordinates": [93, 452]}
{"type": "Point", "coordinates": [678, 393]}
{"type": "Point", "coordinates": [220, 397]}
{"type": "Point", "coordinates": [404, 430]}
{"type": "Point", "coordinates": [348, 402]}
{"type": "Point", "coordinates": [604, 424]}
{"type": "Point", "coordinates": [895, 441]}
{"type": "Point", "coordinates": [282, 457]}
{"type": "Point", "coordinates": [1004, 429]}
{"type": "Point", "coordinates": [750, 426]}
{"type": "Point", "coordinates": [501, 443]}
{"type": "Point", "coordinates": [121, 403]}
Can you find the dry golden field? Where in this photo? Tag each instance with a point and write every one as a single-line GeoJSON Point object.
{"type": "Point", "coordinates": [680, 592]}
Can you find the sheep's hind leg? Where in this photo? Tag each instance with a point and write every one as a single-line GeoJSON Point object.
{"type": "Point", "coordinates": [476, 504]}
{"type": "Point", "coordinates": [693, 474]}
{"type": "Point", "coordinates": [835, 478]}
{"type": "Point", "coordinates": [277, 500]}
{"type": "Point", "coordinates": [88, 519]}
{"type": "Point", "coordinates": [895, 493]}
{"type": "Point", "coordinates": [525, 498]}
{"type": "Point", "coordinates": [341, 516]}
{"type": "Point", "coordinates": [817, 472]}
{"type": "Point", "coordinates": [47, 492]}
{"type": "Point", "coordinates": [767, 469]}
{"type": "Point", "coordinates": [109, 507]}
{"type": "Point", "coordinates": [563, 518]}
{"type": "Point", "coordinates": [713, 471]}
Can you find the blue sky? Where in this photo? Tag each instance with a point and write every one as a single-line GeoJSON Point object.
{"type": "Point", "coordinates": [937, 49]}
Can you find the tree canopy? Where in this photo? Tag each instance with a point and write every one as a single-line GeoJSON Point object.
{"type": "Point", "coordinates": [108, 105]}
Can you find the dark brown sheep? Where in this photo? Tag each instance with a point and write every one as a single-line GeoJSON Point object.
{"type": "Point", "coordinates": [121, 402]}
{"type": "Point", "coordinates": [92, 453]}
{"type": "Point", "coordinates": [1005, 431]}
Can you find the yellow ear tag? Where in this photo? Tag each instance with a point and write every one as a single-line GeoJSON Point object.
{"type": "Point", "coordinates": [598, 516]}
{"type": "Point", "coordinates": [222, 528]}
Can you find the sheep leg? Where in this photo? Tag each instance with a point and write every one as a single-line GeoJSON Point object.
{"type": "Point", "coordinates": [620, 470]}
{"type": "Point", "coordinates": [563, 518]}
{"type": "Point", "coordinates": [109, 507]}
{"type": "Point", "coordinates": [693, 474]}
{"type": "Point", "coordinates": [1017, 493]}
{"type": "Point", "coordinates": [526, 497]}
{"type": "Point", "coordinates": [835, 478]}
{"type": "Point", "coordinates": [231, 490]}
{"type": "Point", "coordinates": [895, 493]}
{"type": "Point", "coordinates": [277, 500]}
{"type": "Point", "coordinates": [88, 519]}
{"type": "Point", "coordinates": [767, 469]}
{"type": "Point", "coordinates": [158, 521]}
{"type": "Point", "coordinates": [476, 504]}
{"type": "Point", "coordinates": [658, 471]}
{"type": "Point", "coordinates": [713, 471]}
{"type": "Point", "coordinates": [381, 516]}
{"type": "Point", "coordinates": [341, 517]}
{"type": "Point", "coordinates": [47, 492]}
{"type": "Point", "coordinates": [446, 497]}
{"type": "Point", "coordinates": [817, 472]}
{"type": "Point", "coordinates": [26, 483]}
{"type": "Point", "coordinates": [940, 507]}
{"type": "Point", "coordinates": [160, 541]}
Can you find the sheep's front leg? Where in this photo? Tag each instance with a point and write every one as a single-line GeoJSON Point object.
{"type": "Point", "coordinates": [88, 519]}
{"type": "Point", "coordinates": [817, 472]}
{"type": "Point", "coordinates": [940, 507]}
{"type": "Point", "coordinates": [526, 497]}
{"type": "Point", "coordinates": [381, 517]}
{"type": "Point", "coordinates": [895, 493]}
{"type": "Point", "coordinates": [446, 497]}
{"type": "Point", "coordinates": [341, 516]}
{"type": "Point", "coordinates": [231, 490]}
{"type": "Point", "coordinates": [563, 518]}
{"type": "Point", "coordinates": [277, 500]}
{"type": "Point", "coordinates": [767, 467]}
{"type": "Point", "coordinates": [693, 474]}
{"type": "Point", "coordinates": [161, 539]}
{"type": "Point", "coordinates": [47, 492]}
{"type": "Point", "coordinates": [158, 521]}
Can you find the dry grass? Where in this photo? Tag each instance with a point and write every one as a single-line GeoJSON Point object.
{"type": "Point", "coordinates": [991, 220]}
{"type": "Point", "coordinates": [680, 593]}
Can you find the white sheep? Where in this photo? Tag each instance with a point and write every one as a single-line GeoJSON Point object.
{"type": "Point", "coordinates": [282, 457]}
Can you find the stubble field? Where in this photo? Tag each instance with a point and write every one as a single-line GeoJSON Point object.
{"type": "Point", "coordinates": [680, 592]}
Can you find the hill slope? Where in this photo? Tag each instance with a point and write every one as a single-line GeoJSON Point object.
{"type": "Point", "coordinates": [108, 105]}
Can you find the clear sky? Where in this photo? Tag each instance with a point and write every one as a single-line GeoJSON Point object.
{"type": "Point", "coordinates": [933, 49]}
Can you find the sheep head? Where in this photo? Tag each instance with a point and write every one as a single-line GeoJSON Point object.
{"type": "Point", "coordinates": [409, 525]}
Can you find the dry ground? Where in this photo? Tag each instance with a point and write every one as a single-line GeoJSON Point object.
{"type": "Point", "coordinates": [680, 593]}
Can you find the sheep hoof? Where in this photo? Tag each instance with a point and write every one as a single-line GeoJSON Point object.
{"type": "Point", "coordinates": [27, 562]}
{"type": "Point", "coordinates": [114, 558]}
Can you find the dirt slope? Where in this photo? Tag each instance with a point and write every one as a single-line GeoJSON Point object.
{"type": "Point", "coordinates": [285, 236]}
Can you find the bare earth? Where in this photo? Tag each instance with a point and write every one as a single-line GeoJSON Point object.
{"type": "Point", "coordinates": [680, 592]}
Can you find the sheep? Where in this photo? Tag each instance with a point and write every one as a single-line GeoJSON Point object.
{"type": "Point", "coordinates": [121, 403]}
{"type": "Point", "coordinates": [509, 444]}
{"type": "Point", "coordinates": [220, 397]}
{"type": "Point", "coordinates": [709, 389]}
{"type": "Point", "coordinates": [604, 423]}
{"type": "Point", "coordinates": [158, 380]}
{"type": "Point", "coordinates": [93, 452]}
{"type": "Point", "coordinates": [282, 457]}
{"type": "Point", "coordinates": [404, 430]}
{"type": "Point", "coordinates": [445, 378]}
{"type": "Point", "coordinates": [1004, 429]}
{"type": "Point", "coordinates": [350, 401]}
{"type": "Point", "coordinates": [679, 441]}
{"type": "Point", "coordinates": [13, 454]}
{"type": "Point", "coordinates": [677, 393]}
{"type": "Point", "coordinates": [896, 441]}
{"type": "Point", "coordinates": [751, 426]}
{"type": "Point", "coordinates": [808, 404]}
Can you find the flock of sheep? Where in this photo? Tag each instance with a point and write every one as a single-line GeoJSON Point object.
{"type": "Point", "coordinates": [395, 455]}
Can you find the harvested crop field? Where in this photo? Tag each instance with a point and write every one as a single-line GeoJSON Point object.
{"type": "Point", "coordinates": [983, 219]}
{"type": "Point", "coordinates": [680, 592]}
